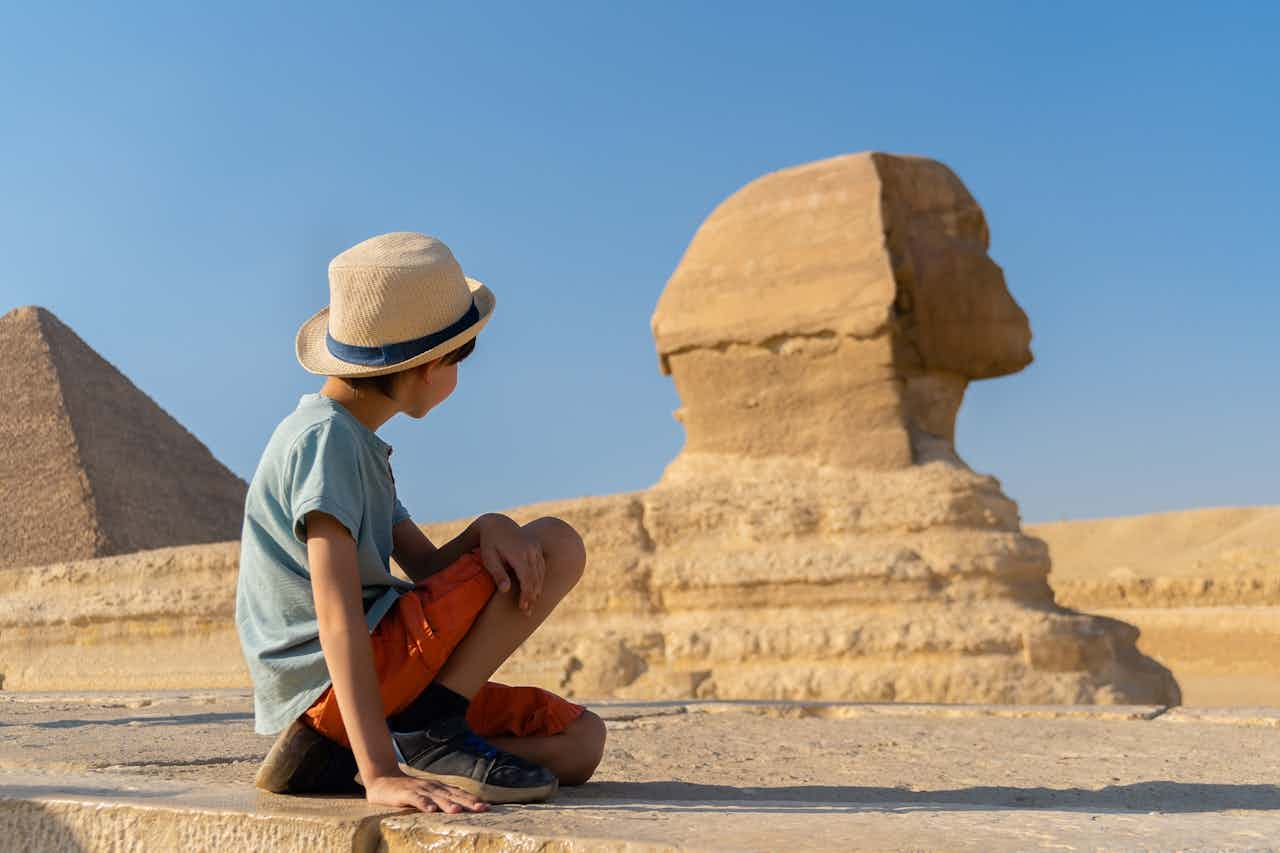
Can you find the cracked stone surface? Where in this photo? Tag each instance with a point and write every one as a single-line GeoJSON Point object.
{"type": "Point", "coordinates": [89, 771]}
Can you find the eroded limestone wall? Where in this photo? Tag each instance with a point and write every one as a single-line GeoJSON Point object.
{"type": "Point", "coordinates": [915, 589]}
{"type": "Point", "coordinates": [151, 619]}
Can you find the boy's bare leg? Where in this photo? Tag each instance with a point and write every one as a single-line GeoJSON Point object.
{"type": "Point", "coordinates": [572, 755]}
{"type": "Point", "coordinates": [501, 626]}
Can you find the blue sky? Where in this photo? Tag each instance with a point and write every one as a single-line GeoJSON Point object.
{"type": "Point", "coordinates": [174, 180]}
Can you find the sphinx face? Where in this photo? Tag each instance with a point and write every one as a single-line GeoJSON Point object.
{"type": "Point", "coordinates": [953, 306]}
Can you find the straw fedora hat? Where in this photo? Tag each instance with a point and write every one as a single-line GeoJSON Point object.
{"type": "Point", "coordinates": [395, 301]}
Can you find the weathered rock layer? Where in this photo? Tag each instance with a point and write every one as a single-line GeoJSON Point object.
{"type": "Point", "coordinates": [883, 611]}
{"type": "Point", "coordinates": [149, 620]}
{"type": "Point", "coordinates": [1202, 585]}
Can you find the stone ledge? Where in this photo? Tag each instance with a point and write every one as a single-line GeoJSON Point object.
{"type": "Point", "coordinates": [856, 710]}
{"type": "Point", "coordinates": [172, 770]}
{"type": "Point", "coordinates": [624, 709]}
{"type": "Point", "coordinates": [65, 813]}
{"type": "Point", "coordinates": [1266, 717]}
{"type": "Point", "coordinates": [97, 811]}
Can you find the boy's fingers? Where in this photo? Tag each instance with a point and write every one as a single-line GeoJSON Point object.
{"type": "Point", "coordinates": [521, 567]}
{"type": "Point", "coordinates": [472, 806]}
{"type": "Point", "coordinates": [445, 804]}
{"type": "Point", "coordinates": [467, 801]}
{"type": "Point", "coordinates": [497, 570]}
{"type": "Point", "coordinates": [453, 800]}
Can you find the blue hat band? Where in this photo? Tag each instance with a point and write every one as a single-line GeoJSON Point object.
{"type": "Point", "coordinates": [390, 354]}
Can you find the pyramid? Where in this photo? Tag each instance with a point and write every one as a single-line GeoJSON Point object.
{"type": "Point", "coordinates": [90, 466]}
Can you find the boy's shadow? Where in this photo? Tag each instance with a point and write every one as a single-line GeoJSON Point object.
{"type": "Point", "coordinates": [1162, 796]}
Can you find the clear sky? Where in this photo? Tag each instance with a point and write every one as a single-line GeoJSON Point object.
{"type": "Point", "coordinates": [175, 177]}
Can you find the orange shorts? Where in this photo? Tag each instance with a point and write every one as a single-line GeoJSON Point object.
{"type": "Point", "coordinates": [414, 640]}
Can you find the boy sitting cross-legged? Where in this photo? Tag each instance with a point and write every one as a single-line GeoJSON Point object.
{"type": "Point", "coordinates": [371, 680]}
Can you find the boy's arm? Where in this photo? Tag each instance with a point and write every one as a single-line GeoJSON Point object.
{"type": "Point", "coordinates": [420, 559]}
{"type": "Point", "coordinates": [506, 549]}
{"type": "Point", "coordinates": [344, 639]}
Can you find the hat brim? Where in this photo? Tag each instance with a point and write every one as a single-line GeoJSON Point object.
{"type": "Point", "coordinates": [314, 355]}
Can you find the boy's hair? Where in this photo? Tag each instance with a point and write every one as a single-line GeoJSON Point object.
{"type": "Point", "coordinates": [385, 384]}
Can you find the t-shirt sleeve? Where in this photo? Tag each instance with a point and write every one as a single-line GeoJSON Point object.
{"type": "Point", "coordinates": [323, 475]}
{"type": "Point", "coordinates": [400, 514]}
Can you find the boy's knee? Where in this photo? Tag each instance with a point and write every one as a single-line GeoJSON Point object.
{"type": "Point", "coordinates": [589, 734]}
{"type": "Point", "coordinates": [563, 546]}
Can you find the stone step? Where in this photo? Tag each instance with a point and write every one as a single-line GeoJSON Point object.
{"type": "Point", "coordinates": [172, 770]}
{"type": "Point", "coordinates": [98, 812]}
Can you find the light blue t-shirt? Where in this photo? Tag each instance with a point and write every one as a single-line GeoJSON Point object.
{"type": "Point", "coordinates": [320, 458]}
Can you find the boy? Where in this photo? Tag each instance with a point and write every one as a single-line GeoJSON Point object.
{"type": "Point", "coordinates": [358, 669]}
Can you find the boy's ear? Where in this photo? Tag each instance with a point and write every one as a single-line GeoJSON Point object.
{"type": "Point", "coordinates": [424, 369]}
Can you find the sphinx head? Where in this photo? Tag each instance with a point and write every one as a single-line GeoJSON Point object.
{"type": "Point", "coordinates": [836, 312]}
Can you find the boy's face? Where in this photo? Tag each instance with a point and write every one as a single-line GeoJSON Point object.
{"type": "Point", "coordinates": [427, 387]}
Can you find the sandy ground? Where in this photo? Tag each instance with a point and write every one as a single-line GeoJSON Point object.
{"type": "Point", "coordinates": [726, 776]}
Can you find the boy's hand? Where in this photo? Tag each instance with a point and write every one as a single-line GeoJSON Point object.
{"type": "Point", "coordinates": [506, 548]}
{"type": "Point", "coordinates": [410, 792]}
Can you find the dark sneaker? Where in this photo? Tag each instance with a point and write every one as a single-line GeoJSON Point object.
{"type": "Point", "coordinates": [448, 751]}
{"type": "Point", "coordinates": [303, 761]}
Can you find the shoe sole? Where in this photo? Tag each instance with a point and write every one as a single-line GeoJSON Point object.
{"type": "Point", "coordinates": [285, 756]}
{"type": "Point", "coordinates": [493, 794]}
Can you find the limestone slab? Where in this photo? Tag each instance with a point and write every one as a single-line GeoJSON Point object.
{"type": "Point", "coordinates": [214, 818]}
{"type": "Point", "coordinates": [854, 710]}
{"type": "Point", "coordinates": [1266, 717]}
{"type": "Point", "coordinates": [768, 826]}
{"type": "Point", "coordinates": [88, 812]}
{"type": "Point", "coordinates": [172, 771]}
